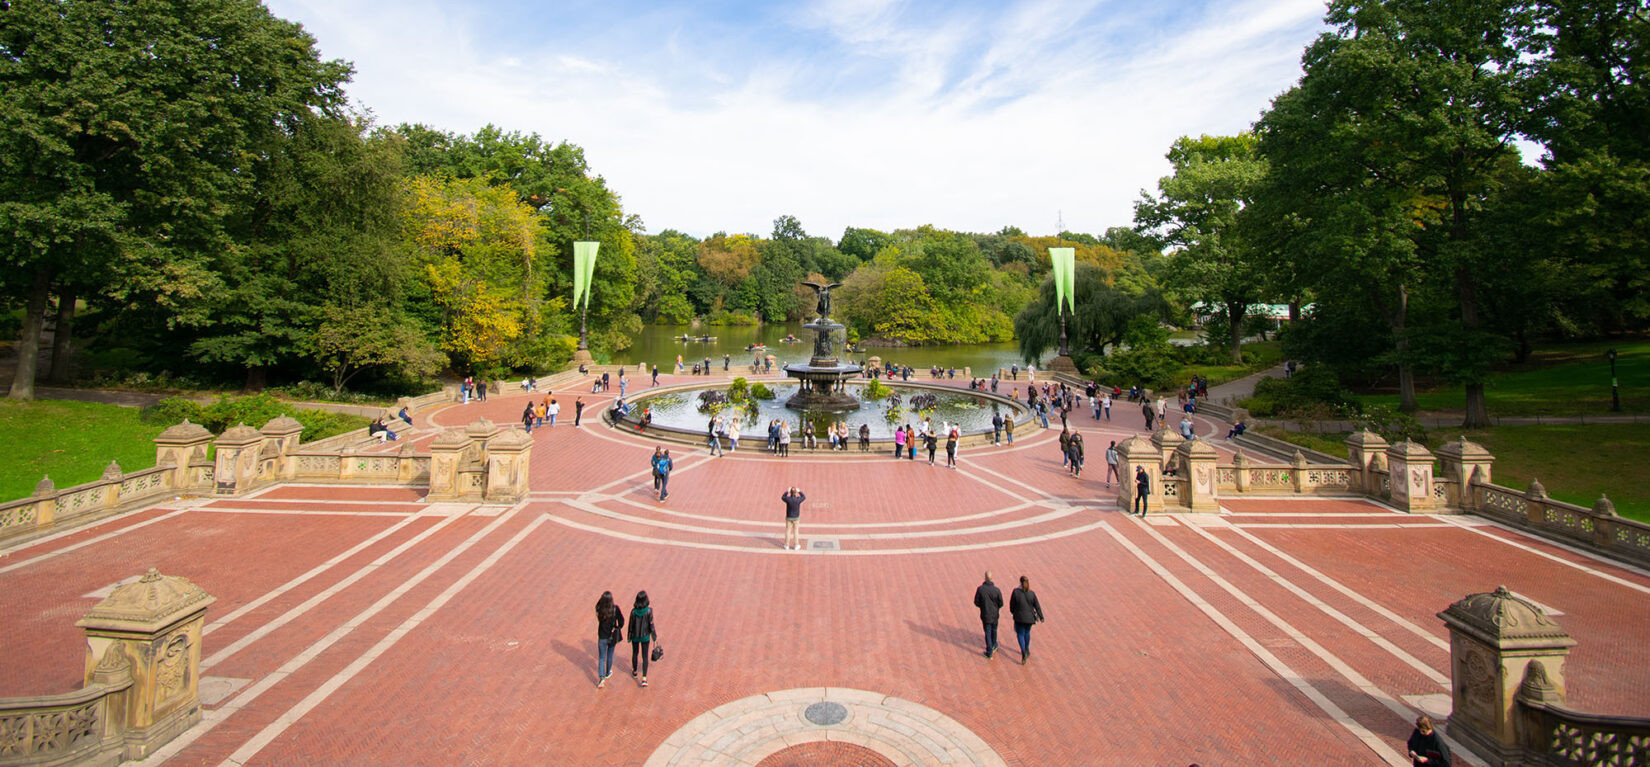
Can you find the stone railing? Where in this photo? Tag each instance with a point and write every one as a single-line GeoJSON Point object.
{"type": "Point", "coordinates": [1556, 735]}
{"type": "Point", "coordinates": [1597, 529]}
{"type": "Point", "coordinates": [115, 490]}
{"type": "Point", "coordinates": [1498, 638]}
{"type": "Point", "coordinates": [140, 688]}
{"type": "Point", "coordinates": [72, 728]}
{"type": "Point", "coordinates": [1244, 476]}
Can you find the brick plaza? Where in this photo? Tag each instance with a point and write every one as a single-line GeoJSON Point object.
{"type": "Point", "coordinates": [361, 625]}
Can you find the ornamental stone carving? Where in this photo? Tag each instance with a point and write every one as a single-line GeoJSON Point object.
{"type": "Point", "coordinates": [1495, 637]}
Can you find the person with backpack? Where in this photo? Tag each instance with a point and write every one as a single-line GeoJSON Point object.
{"type": "Point", "coordinates": [609, 630]}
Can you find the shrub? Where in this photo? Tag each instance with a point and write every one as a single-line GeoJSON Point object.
{"type": "Point", "coordinates": [1392, 424]}
{"type": "Point", "coordinates": [1314, 392]}
{"type": "Point", "coordinates": [254, 411]}
{"type": "Point", "coordinates": [760, 390]}
{"type": "Point", "coordinates": [1153, 366]}
{"type": "Point", "coordinates": [876, 389]}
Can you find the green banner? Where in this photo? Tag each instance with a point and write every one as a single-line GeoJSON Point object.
{"type": "Point", "coordinates": [1064, 261]}
{"type": "Point", "coordinates": [584, 270]}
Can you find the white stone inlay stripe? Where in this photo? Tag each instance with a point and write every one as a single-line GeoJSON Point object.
{"type": "Point", "coordinates": [308, 704]}
{"type": "Point", "coordinates": [85, 543]}
{"type": "Point", "coordinates": [1266, 657]}
{"type": "Point", "coordinates": [1577, 565]}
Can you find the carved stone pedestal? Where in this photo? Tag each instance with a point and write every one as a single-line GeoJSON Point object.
{"type": "Point", "coordinates": [1495, 637]}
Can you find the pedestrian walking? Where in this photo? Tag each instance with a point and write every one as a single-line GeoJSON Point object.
{"type": "Point", "coordinates": [713, 435]}
{"type": "Point", "coordinates": [555, 408]}
{"type": "Point", "coordinates": [793, 499]}
{"type": "Point", "coordinates": [1026, 610]}
{"type": "Point", "coordinates": [578, 410]}
{"type": "Point", "coordinates": [1142, 490]}
{"type": "Point", "coordinates": [1111, 463]}
{"type": "Point", "coordinates": [527, 418]}
{"type": "Point", "coordinates": [1426, 749]}
{"type": "Point", "coordinates": [643, 632]}
{"type": "Point", "coordinates": [609, 630]}
{"type": "Point", "coordinates": [1186, 429]}
{"type": "Point", "coordinates": [1163, 412]}
{"type": "Point", "coordinates": [1146, 410]}
{"type": "Point", "coordinates": [989, 599]}
{"type": "Point", "coordinates": [1065, 448]}
{"type": "Point", "coordinates": [1075, 454]}
{"type": "Point", "coordinates": [952, 435]}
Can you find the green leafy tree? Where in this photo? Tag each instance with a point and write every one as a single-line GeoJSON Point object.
{"type": "Point", "coordinates": [1195, 213]}
{"type": "Point", "coordinates": [1103, 316]}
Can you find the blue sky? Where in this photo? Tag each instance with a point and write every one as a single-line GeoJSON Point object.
{"type": "Point", "coordinates": [874, 113]}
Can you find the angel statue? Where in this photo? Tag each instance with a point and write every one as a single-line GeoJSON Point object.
{"type": "Point", "coordinates": [824, 292]}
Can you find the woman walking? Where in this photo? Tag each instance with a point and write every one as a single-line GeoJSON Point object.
{"type": "Point", "coordinates": [609, 630]}
{"type": "Point", "coordinates": [733, 436]}
{"type": "Point", "coordinates": [642, 634]}
{"type": "Point", "coordinates": [1022, 604]}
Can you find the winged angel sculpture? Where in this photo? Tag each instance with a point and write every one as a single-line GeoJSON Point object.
{"type": "Point", "coordinates": [824, 292]}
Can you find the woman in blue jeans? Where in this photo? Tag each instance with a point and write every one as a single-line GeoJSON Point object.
{"type": "Point", "coordinates": [1025, 608]}
{"type": "Point", "coordinates": [609, 630]}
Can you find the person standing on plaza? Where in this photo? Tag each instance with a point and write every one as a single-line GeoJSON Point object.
{"type": "Point", "coordinates": [1065, 448]}
{"type": "Point", "coordinates": [642, 633]}
{"type": "Point", "coordinates": [609, 630]}
{"type": "Point", "coordinates": [989, 599]}
{"type": "Point", "coordinates": [953, 433]}
{"type": "Point", "coordinates": [899, 442]}
{"type": "Point", "coordinates": [733, 435]}
{"type": "Point", "coordinates": [1142, 490]}
{"type": "Point", "coordinates": [1426, 748]}
{"type": "Point", "coordinates": [1146, 410]}
{"type": "Point", "coordinates": [555, 409]}
{"type": "Point", "coordinates": [910, 443]}
{"type": "Point", "coordinates": [1075, 454]}
{"type": "Point", "coordinates": [1186, 429]}
{"type": "Point", "coordinates": [1163, 412]}
{"type": "Point", "coordinates": [1026, 610]}
{"type": "Point", "coordinates": [653, 465]}
{"type": "Point", "coordinates": [1105, 405]}
{"type": "Point", "coordinates": [793, 499]}
{"type": "Point", "coordinates": [996, 427]}
{"type": "Point", "coordinates": [713, 435]}
{"type": "Point", "coordinates": [785, 438]}
{"type": "Point", "coordinates": [1008, 427]}
{"type": "Point", "coordinates": [527, 418]}
{"type": "Point", "coordinates": [931, 442]}
{"type": "Point", "coordinates": [1111, 463]}
{"type": "Point", "coordinates": [578, 410]}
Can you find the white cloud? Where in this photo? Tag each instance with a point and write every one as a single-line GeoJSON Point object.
{"type": "Point", "coordinates": [969, 120]}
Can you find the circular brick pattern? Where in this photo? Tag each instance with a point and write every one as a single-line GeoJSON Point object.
{"type": "Point", "coordinates": [827, 752]}
{"type": "Point", "coordinates": [772, 728]}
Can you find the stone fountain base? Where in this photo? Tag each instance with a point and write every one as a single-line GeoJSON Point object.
{"type": "Point", "coordinates": [823, 385]}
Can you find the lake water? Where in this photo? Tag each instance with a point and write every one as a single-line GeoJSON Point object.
{"type": "Point", "coordinates": [660, 344]}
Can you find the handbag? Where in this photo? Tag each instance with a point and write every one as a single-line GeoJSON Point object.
{"type": "Point", "coordinates": [658, 652]}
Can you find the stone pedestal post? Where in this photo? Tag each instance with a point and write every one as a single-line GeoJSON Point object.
{"type": "Point", "coordinates": [1139, 452]}
{"type": "Point", "coordinates": [1166, 442]}
{"type": "Point", "coordinates": [282, 434]}
{"type": "Point", "coordinates": [1197, 463]}
{"type": "Point", "coordinates": [153, 627]}
{"type": "Point", "coordinates": [236, 467]}
{"type": "Point", "coordinates": [507, 464]}
{"type": "Point", "coordinates": [180, 446]}
{"type": "Point", "coordinates": [1363, 450]}
{"type": "Point", "coordinates": [446, 454]}
{"type": "Point", "coordinates": [1411, 478]}
{"type": "Point", "coordinates": [1495, 640]}
{"type": "Point", "coordinates": [480, 431]}
{"type": "Point", "coordinates": [1466, 462]}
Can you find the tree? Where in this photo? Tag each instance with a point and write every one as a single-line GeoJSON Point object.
{"type": "Point", "coordinates": [356, 338]}
{"type": "Point", "coordinates": [1101, 320]}
{"type": "Point", "coordinates": [127, 130]}
{"type": "Point", "coordinates": [1196, 212]}
{"type": "Point", "coordinates": [1387, 152]}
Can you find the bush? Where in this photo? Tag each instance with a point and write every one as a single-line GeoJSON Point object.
{"type": "Point", "coordinates": [254, 411]}
{"type": "Point", "coordinates": [760, 390]}
{"type": "Point", "coordinates": [1154, 366]}
{"type": "Point", "coordinates": [1315, 392]}
{"type": "Point", "coordinates": [1392, 424]}
{"type": "Point", "coordinates": [876, 389]}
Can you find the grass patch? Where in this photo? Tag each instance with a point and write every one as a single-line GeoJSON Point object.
{"type": "Point", "coordinates": [1257, 356]}
{"type": "Point", "coordinates": [1573, 379]}
{"type": "Point", "coordinates": [70, 441]}
{"type": "Point", "coordinates": [1575, 463]}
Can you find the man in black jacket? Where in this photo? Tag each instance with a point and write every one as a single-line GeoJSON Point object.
{"type": "Point", "coordinates": [989, 599]}
{"type": "Point", "coordinates": [1142, 490]}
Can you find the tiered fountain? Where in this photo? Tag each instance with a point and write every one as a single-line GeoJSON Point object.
{"type": "Point", "coordinates": [824, 379]}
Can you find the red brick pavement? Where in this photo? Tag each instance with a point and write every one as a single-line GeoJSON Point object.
{"type": "Point", "coordinates": [1131, 667]}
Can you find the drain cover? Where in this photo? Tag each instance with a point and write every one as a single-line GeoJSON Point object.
{"type": "Point", "coordinates": [825, 713]}
{"type": "Point", "coordinates": [824, 544]}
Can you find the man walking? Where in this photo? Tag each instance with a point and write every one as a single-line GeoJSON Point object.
{"type": "Point", "coordinates": [1105, 405]}
{"type": "Point", "coordinates": [665, 465]}
{"type": "Point", "coordinates": [989, 599]}
{"type": "Point", "coordinates": [1142, 490]}
{"type": "Point", "coordinates": [793, 499]}
{"type": "Point", "coordinates": [711, 435]}
{"type": "Point", "coordinates": [1146, 410]}
{"type": "Point", "coordinates": [578, 410]}
{"type": "Point", "coordinates": [1111, 463]}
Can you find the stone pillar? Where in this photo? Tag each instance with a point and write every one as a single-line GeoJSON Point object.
{"type": "Point", "coordinates": [236, 467]}
{"type": "Point", "coordinates": [1197, 461]}
{"type": "Point", "coordinates": [1466, 462]}
{"type": "Point", "coordinates": [479, 432]}
{"type": "Point", "coordinates": [507, 463]}
{"type": "Point", "coordinates": [180, 446]}
{"type": "Point", "coordinates": [1411, 467]}
{"type": "Point", "coordinates": [1298, 475]}
{"type": "Point", "coordinates": [1166, 441]}
{"type": "Point", "coordinates": [282, 435]}
{"type": "Point", "coordinates": [1362, 449]}
{"type": "Point", "coordinates": [1496, 639]}
{"type": "Point", "coordinates": [407, 467]}
{"type": "Point", "coordinates": [1240, 470]}
{"type": "Point", "coordinates": [446, 454]}
{"type": "Point", "coordinates": [152, 626]}
{"type": "Point", "coordinates": [1135, 452]}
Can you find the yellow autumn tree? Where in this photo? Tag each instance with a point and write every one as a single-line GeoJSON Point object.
{"type": "Point", "coordinates": [476, 246]}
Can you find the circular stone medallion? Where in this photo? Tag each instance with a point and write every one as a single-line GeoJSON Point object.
{"type": "Point", "coordinates": [825, 713]}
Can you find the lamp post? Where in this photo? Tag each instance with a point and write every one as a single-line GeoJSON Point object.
{"type": "Point", "coordinates": [1615, 386]}
{"type": "Point", "coordinates": [1065, 351]}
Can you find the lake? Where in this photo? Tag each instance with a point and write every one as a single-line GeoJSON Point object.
{"type": "Point", "coordinates": [660, 344]}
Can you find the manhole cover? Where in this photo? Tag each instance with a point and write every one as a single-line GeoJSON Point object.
{"type": "Point", "coordinates": [825, 713]}
{"type": "Point", "coordinates": [824, 544]}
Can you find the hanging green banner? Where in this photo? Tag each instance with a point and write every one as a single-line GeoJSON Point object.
{"type": "Point", "coordinates": [584, 270]}
{"type": "Point", "coordinates": [1064, 261]}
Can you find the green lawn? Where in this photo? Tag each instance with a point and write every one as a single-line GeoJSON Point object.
{"type": "Point", "coordinates": [1572, 379]}
{"type": "Point", "coordinates": [1575, 463]}
{"type": "Point", "coordinates": [70, 441]}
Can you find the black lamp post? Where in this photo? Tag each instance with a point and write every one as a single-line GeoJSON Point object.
{"type": "Point", "coordinates": [1615, 386]}
{"type": "Point", "coordinates": [1065, 351]}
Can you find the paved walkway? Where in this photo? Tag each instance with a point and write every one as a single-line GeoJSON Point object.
{"type": "Point", "coordinates": [359, 625]}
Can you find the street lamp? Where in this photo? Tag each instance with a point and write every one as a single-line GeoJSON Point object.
{"type": "Point", "coordinates": [1615, 386]}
